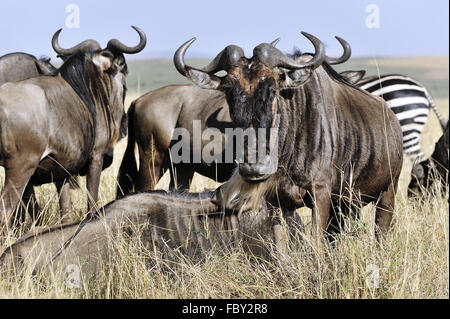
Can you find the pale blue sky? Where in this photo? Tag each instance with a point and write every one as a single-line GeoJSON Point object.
{"type": "Point", "coordinates": [407, 27]}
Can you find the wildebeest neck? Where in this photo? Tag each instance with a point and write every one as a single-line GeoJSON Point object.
{"type": "Point", "coordinates": [73, 72]}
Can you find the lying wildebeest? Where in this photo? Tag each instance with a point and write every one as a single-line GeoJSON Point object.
{"type": "Point", "coordinates": [408, 99]}
{"type": "Point", "coordinates": [424, 173]}
{"type": "Point", "coordinates": [54, 126]}
{"type": "Point", "coordinates": [165, 223]}
{"type": "Point", "coordinates": [336, 142]}
{"type": "Point", "coordinates": [152, 119]}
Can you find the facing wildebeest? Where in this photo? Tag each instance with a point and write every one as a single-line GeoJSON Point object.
{"type": "Point", "coordinates": [335, 142]}
{"type": "Point", "coordinates": [178, 105]}
{"type": "Point", "coordinates": [424, 173]}
{"type": "Point", "coordinates": [152, 119]}
{"type": "Point", "coordinates": [57, 125]}
{"type": "Point", "coordinates": [165, 223]}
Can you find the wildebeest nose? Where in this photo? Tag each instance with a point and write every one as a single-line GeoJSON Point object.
{"type": "Point", "coordinates": [257, 172]}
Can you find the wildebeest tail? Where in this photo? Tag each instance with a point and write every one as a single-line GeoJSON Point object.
{"type": "Point", "coordinates": [436, 110]}
{"type": "Point", "coordinates": [128, 168]}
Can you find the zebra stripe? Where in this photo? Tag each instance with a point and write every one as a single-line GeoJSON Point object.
{"type": "Point", "coordinates": [410, 101]}
{"type": "Point", "coordinates": [375, 80]}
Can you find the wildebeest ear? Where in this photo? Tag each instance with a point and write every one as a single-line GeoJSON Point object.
{"type": "Point", "coordinates": [295, 78]}
{"type": "Point", "coordinates": [353, 76]}
{"type": "Point", "coordinates": [103, 60]}
{"type": "Point", "coordinates": [39, 67]}
{"type": "Point", "coordinates": [203, 79]}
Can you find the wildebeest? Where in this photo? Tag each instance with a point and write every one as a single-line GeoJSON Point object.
{"type": "Point", "coordinates": [336, 142]}
{"type": "Point", "coordinates": [57, 125]}
{"type": "Point", "coordinates": [155, 114]}
{"type": "Point", "coordinates": [152, 119]}
{"type": "Point", "coordinates": [425, 173]}
{"type": "Point", "coordinates": [408, 99]}
{"type": "Point", "coordinates": [20, 66]}
{"type": "Point", "coordinates": [165, 223]}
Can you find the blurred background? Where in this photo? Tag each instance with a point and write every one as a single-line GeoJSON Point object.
{"type": "Point", "coordinates": [409, 37]}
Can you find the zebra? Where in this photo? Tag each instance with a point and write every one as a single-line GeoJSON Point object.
{"type": "Point", "coordinates": [408, 99]}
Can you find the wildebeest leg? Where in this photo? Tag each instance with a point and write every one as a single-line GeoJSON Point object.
{"type": "Point", "coordinates": [181, 178]}
{"type": "Point", "coordinates": [289, 198]}
{"type": "Point", "coordinates": [17, 175]}
{"type": "Point", "coordinates": [31, 204]}
{"type": "Point", "coordinates": [341, 209]}
{"type": "Point", "coordinates": [385, 210]}
{"type": "Point", "coordinates": [65, 203]}
{"type": "Point", "coordinates": [320, 211]}
{"type": "Point", "coordinates": [280, 242]}
{"type": "Point", "coordinates": [93, 181]}
{"type": "Point", "coordinates": [151, 162]}
{"type": "Point", "coordinates": [294, 224]}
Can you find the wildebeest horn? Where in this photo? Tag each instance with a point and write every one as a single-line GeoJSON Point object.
{"type": "Point", "coordinates": [273, 57]}
{"type": "Point", "coordinates": [345, 56]}
{"type": "Point", "coordinates": [116, 45]}
{"type": "Point", "coordinates": [87, 45]}
{"type": "Point", "coordinates": [223, 61]}
{"type": "Point", "coordinates": [178, 57]}
{"type": "Point", "coordinates": [275, 42]}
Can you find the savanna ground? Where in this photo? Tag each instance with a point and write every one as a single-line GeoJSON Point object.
{"type": "Point", "coordinates": [413, 261]}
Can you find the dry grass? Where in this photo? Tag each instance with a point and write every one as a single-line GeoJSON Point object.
{"type": "Point", "coordinates": [413, 261]}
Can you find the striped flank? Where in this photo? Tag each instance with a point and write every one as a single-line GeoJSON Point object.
{"type": "Point", "coordinates": [410, 101]}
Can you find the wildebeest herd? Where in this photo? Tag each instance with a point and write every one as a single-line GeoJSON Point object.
{"type": "Point", "coordinates": [340, 140]}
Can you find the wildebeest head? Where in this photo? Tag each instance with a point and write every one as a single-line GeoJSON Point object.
{"type": "Point", "coordinates": [252, 87]}
{"type": "Point", "coordinates": [110, 61]}
{"type": "Point", "coordinates": [64, 54]}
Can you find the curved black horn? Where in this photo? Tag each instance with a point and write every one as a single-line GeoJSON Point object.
{"type": "Point", "coordinates": [178, 57]}
{"type": "Point", "coordinates": [345, 56]}
{"type": "Point", "coordinates": [273, 57]}
{"type": "Point", "coordinates": [116, 45]}
{"type": "Point", "coordinates": [225, 59]}
{"type": "Point", "coordinates": [275, 42]}
{"type": "Point", "coordinates": [87, 45]}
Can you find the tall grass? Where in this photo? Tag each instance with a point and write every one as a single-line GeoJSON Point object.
{"type": "Point", "coordinates": [413, 261]}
